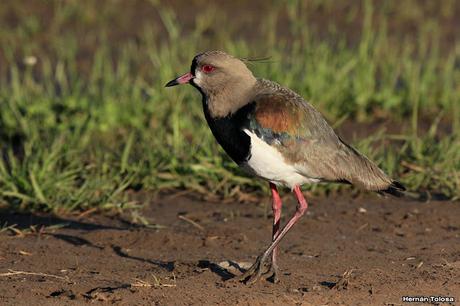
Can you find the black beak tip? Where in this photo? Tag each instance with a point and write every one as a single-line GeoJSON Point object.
{"type": "Point", "coordinates": [172, 83]}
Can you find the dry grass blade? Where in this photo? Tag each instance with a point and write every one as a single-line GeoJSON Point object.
{"type": "Point", "coordinates": [16, 231]}
{"type": "Point", "coordinates": [412, 167]}
{"type": "Point", "coordinates": [191, 222]}
{"type": "Point", "coordinates": [362, 227]}
{"type": "Point", "coordinates": [86, 213]}
{"type": "Point", "coordinates": [32, 230]}
{"type": "Point", "coordinates": [156, 282]}
{"type": "Point", "coordinates": [14, 273]}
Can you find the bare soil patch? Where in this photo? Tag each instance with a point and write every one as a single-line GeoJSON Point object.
{"type": "Point", "coordinates": [365, 251]}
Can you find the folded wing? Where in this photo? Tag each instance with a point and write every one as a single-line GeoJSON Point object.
{"type": "Point", "coordinates": [284, 120]}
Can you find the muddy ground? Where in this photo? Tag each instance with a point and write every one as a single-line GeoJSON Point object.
{"type": "Point", "coordinates": [365, 251]}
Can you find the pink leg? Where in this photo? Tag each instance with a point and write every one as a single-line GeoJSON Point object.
{"type": "Point", "coordinates": [276, 207]}
{"type": "Point", "coordinates": [254, 273]}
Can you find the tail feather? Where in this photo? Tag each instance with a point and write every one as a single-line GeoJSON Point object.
{"type": "Point", "coordinates": [396, 189]}
{"type": "Point", "coordinates": [363, 173]}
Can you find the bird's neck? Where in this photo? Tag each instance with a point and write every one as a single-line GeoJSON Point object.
{"type": "Point", "coordinates": [229, 98]}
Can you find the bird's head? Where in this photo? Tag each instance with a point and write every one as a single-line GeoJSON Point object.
{"type": "Point", "coordinates": [224, 80]}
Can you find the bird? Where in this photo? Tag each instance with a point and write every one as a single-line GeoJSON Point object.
{"type": "Point", "coordinates": [272, 133]}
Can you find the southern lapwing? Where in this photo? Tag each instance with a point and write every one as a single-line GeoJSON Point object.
{"type": "Point", "coordinates": [273, 133]}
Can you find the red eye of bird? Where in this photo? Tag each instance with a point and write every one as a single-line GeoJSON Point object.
{"type": "Point", "coordinates": [207, 68]}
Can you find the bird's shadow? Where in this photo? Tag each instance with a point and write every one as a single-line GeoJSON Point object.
{"type": "Point", "coordinates": [74, 240]}
{"type": "Point", "coordinates": [22, 221]}
{"type": "Point", "coordinates": [222, 272]}
{"type": "Point", "coordinates": [168, 265]}
{"type": "Point", "coordinates": [327, 284]}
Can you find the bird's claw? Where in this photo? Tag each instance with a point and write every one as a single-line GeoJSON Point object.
{"type": "Point", "coordinates": [273, 273]}
{"type": "Point", "coordinates": [255, 272]}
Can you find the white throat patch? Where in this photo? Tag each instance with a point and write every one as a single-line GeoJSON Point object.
{"type": "Point", "coordinates": [198, 77]}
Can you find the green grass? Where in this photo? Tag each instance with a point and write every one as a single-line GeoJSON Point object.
{"type": "Point", "coordinates": [91, 119]}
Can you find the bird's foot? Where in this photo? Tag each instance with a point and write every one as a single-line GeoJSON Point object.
{"type": "Point", "coordinates": [273, 273]}
{"type": "Point", "coordinates": [255, 272]}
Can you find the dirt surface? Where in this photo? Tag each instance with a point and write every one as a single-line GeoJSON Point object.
{"type": "Point", "coordinates": [366, 251]}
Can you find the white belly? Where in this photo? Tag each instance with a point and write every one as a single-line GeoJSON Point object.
{"type": "Point", "coordinates": [268, 163]}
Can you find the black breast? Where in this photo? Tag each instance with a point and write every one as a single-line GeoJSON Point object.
{"type": "Point", "coordinates": [229, 133]}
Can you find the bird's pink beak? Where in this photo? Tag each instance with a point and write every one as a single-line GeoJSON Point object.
{"type": "Point", "coordinates": [183, 79]}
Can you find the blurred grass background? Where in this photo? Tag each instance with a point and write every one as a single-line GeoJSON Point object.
{"type": "Point", "coordinates": [85, 120]}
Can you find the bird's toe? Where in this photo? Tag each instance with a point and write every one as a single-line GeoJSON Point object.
{"type": "Point", "coordinates": [273, 273]}
{"type": "Point", "coordinates": [254, 273]}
